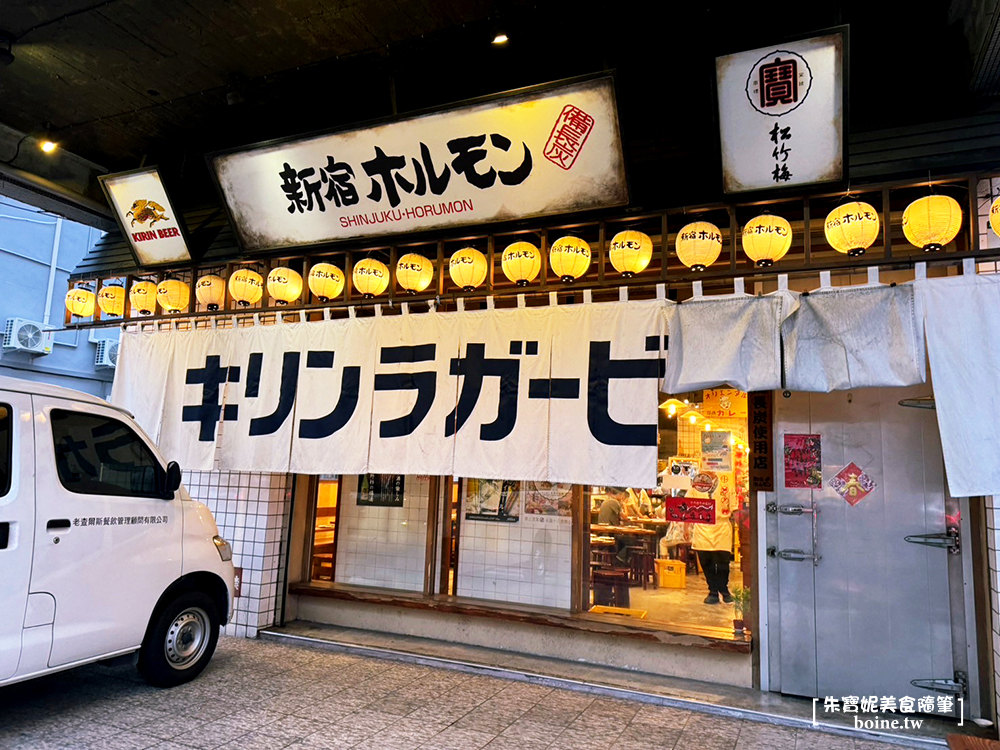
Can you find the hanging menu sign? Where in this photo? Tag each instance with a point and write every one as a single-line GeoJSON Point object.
{"type": "Point", "coordinates": [545, 151]}
{"type": "Point", "coordinates": [781, 114]}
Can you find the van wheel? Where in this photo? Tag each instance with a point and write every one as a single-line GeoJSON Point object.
{"type": "Point", "coordinates": [181, 641]}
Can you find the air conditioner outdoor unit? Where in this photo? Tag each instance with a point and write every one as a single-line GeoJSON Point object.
{"type": "Point", "coordinates": [27, 336]}
{"type": "Point", "coordinates": [107, 353]}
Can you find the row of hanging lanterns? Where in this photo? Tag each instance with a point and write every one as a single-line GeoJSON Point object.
{"type": "Point", "coordinates": [851, 228]}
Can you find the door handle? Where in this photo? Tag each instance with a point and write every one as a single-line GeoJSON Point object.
{"type": "Point", "coordinates": [57, 524]}
{"type": "Point", "coordinates": [797, 555]}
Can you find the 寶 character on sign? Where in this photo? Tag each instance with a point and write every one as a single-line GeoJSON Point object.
{"type": "Point", "coordinates": [779, 81]}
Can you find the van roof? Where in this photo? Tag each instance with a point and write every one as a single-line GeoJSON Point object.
{"type": "Point", "coordinates": [19, 385]}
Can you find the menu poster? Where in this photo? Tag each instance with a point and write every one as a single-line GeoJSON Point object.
{"type": "Point", "coordinates": [547, 503]}
{"type": "Point", "coordinates": [716, 451]}
{"type": "Point", "coordinates": [492, 500]}
{"type": "Point", "coordinates": [381, 490]}
{"type": "Point", "coordinates": [803, 464]}
{"type": "Point", "coordinates": [690, 509]}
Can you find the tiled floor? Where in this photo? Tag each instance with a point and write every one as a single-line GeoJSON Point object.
{"type": "Point", "coordinates": [265, 695]}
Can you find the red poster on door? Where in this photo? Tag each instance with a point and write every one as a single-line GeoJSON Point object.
{"type": "Point", "coordinates": [690, 509]}
{"type": "Point", "coordinates": [803, 464]}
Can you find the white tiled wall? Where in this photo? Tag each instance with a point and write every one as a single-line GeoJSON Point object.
{"type": "Point", "coordinates": [383, 547]}
{"type": "Point", "coordinates": [251, 511]}
{"type": "Point", "coordinates": [992, 525]}
{"type": "Point", "coordinates": [521, 562]}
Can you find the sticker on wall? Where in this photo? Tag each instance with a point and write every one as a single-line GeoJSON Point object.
{"type": "Point", "coordinates": [237, 581]}
{"type": "Point", "coordinates": [803, 463]}
{"type": "Point", "coordinates": [716, 451]}
{"type": "Point", "coordinates": [492, 500]}
{"type": "Point", "coordinates": [852, 484]}
{"type": "Point", "coordinates": [381, 490]}
{"type": "Point", "coordinates": [689, 509]}
{"type": "Point", "coordinates": [548, 503]}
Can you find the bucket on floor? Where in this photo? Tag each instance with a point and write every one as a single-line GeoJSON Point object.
{"type": "Point", "coordinates": [672, 574]}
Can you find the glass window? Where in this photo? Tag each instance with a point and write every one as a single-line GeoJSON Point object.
{"type": "Point", "coordinates": [325, 528]}
{"type": "Point", "coordinates": [101, 456]}
{"type": "Point", "coordinates": [6, 457]}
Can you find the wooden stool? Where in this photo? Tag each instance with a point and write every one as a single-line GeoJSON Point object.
{"type": "Point", "coordinates": [642, 567]}
{"type": "Point", "coordinates": [611, 587]}
{"type": "Point", "coordinates": [604, 558]}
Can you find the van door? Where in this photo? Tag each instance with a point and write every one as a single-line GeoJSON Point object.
{"type": "Point", "coordinates": [17, 521]}
{"type": "Point", "coordinates": [107, 543]}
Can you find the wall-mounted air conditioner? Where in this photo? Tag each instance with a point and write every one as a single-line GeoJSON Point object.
{"type": "Point", "coordinates": [27, 336]}
{"type": "Point", "coordinates": [107, 353]}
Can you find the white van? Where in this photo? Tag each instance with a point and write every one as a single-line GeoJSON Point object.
{"type": "Point", "coordinates": [102, 552]}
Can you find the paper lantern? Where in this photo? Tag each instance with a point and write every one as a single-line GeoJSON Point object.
{"type": "Point", "coordinates": [698, 245]}
{"type": "Point", "coordinates": [111, 300]}
{"type": "Point", "coordinates": [766, 239]}
{"type": "Point", "coordinates": [932, 222]}
{"type": "Point", "coordinates": [371, 277]}
{"type": "Point", "coordinates": [80, 302]}
{"type": "Point", "coordinates": [246, 287]}
{"type": "Point", "coordinates": [521, 262]}
{"type": "Point", "coordinates": [467, 268]}
{"type": "Point", "coordinates": [284, 285]}
{"type": "Point", "coordinates": [414, 272]}
{"type": "Point", "coordinates": [173, 295]}
{"type": "Point", "coordinates": [211, 291]}
{"type": "Point", "coordinates": [851, 228]}
{"type": "Point", "coordinates": [569, 258]}
{"type": "Point", "coordinates": [995, 217]}
{"type": "Point", "coordinates": [630, 252]}
{"type": "Point", "coordinates": [142, 296]}
{"type": "Point", "coordinates": [326, 281]}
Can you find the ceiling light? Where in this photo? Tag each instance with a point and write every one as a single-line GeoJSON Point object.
{"type": "Point", "coordinates": [48, 146]}
{"type": "Point", "coordinates": [500, 38]}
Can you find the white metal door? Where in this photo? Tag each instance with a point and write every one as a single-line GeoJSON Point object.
{"type": "Point", "coordinates": [17, 520]}
{"type": "Point", "coordinates": [871, 611]}
{"type": "Point", "coordinates": [105, 557]}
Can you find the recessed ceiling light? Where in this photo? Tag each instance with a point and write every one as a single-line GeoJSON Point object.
{"type": "Point", "coordinates": [500, 38]}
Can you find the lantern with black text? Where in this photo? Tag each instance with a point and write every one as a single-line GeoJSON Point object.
{"type": "Point", "coordinates": [80, 302]}
{"type": "Point", "coordinates": [932, 222]}
{"type": "Point", "coordinates": [246, 287]}
{"type": "Point", "coordinates": [173, 295]}
{"type": "Point", "coordinates": [698, 245]}
{"type": "Point", "coordinates": [766, 239]}
{"type": "Point", "coordinates": [630, 252]}
{"type": "Point", "coordinates": [284, 285]}
{"type": "Point", "coordinates": [995, 217]}
{"type": "Point", "coordinates": [111, 300]}
{"type": "Point", "coordinates": [210, 290]}
{"type": "Point", "coordinates": [142, 297]}
{"type": "Point", "coordinates": [467, 268]}
{"type": "Point", "coordinates": [371, 277]}
{"type": "Point", "coordinates": [326, 281]}
{"type": "Point", "coordinates": [569, 258]}
{"type": "Point", "coordinates": [521, 262]}
{"type": "Point", "coordinates": [851, 228]}
{"type": "Point", "coordinates": [414, 272]}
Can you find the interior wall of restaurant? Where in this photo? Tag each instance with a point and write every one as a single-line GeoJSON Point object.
{"type": "Point", "coordinates": [383, 547]}
{"type": "Point", "coordinates": [601, 649]}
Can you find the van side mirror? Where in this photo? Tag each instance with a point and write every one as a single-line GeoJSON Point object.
{"type": "Point", "coordinates": [171, 479]}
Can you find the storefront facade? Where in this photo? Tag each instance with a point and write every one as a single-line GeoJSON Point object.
{"type": "Point", "coordinates": [726, 474]}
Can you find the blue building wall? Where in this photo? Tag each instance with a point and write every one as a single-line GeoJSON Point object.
{"type": "Point", "coordinates": [28, 245]}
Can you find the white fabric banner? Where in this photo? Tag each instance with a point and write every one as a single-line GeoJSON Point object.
{"type": "Point", "coordinates": [727, 340]}
{"type": "Point", "coordinates": [963, 328]}
{"type": "Point", "coordinates": [854, 337]}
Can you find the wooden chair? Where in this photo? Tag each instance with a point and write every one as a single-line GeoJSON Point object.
{"type": "Point", "coordinates": [611, 587]}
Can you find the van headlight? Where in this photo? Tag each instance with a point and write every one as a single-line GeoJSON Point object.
{"type": "Point", "coordinates": [225, 551]}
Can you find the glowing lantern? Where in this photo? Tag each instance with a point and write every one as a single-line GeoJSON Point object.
{"type": "Point", "coordinates": [284, 284]}
{"type": "Point", "coordinates": [142, 295]}
{"type": "Point", "coordinates": [211, 291]}
{"type": "Point", "coordinates": [569, 258]}
{"type": "Point", "coordinates": [326, 281]}
{"type": "Point", "coordinates": [371, 277]}
{"type": "Point", "coordinates": [467, 268]}
{"type": "Point", "coordinates": [111, 300]}
{"type": "Point", "coordinates": [80, 302]}
{"type": "Point", "coordinates": [630, 252]}
{"type": "Point", "coordinates": [995, 217]}
{"type": "Point", "coordinates": [173, 295]}
{"type": "Point", "coordinates": [414, 272]}
{"type": "Point", "coordinates": [852, 228]}
{"type": "Point", "coordinates": [932, 222]}
{"type": "Point", "coordinates": [766, 239]}
{"type": "Point", "coordinates": [698, 245]}
{"type": "Point", "coordinates": [521, 262]}
{"type": "Point", "coordinates": [246, 286]}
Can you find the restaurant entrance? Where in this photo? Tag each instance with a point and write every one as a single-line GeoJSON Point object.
{"type": "Point", "coordinates": [869, 568]}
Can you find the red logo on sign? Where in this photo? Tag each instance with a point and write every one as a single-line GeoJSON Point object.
{"type": "Point", "coordinates": [568, 136]}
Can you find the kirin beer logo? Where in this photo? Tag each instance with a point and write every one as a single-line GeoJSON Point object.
{"type": "Point", "coordinates": [145, 210]}
{"type": "Point", "coordinates": [779, 82]}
